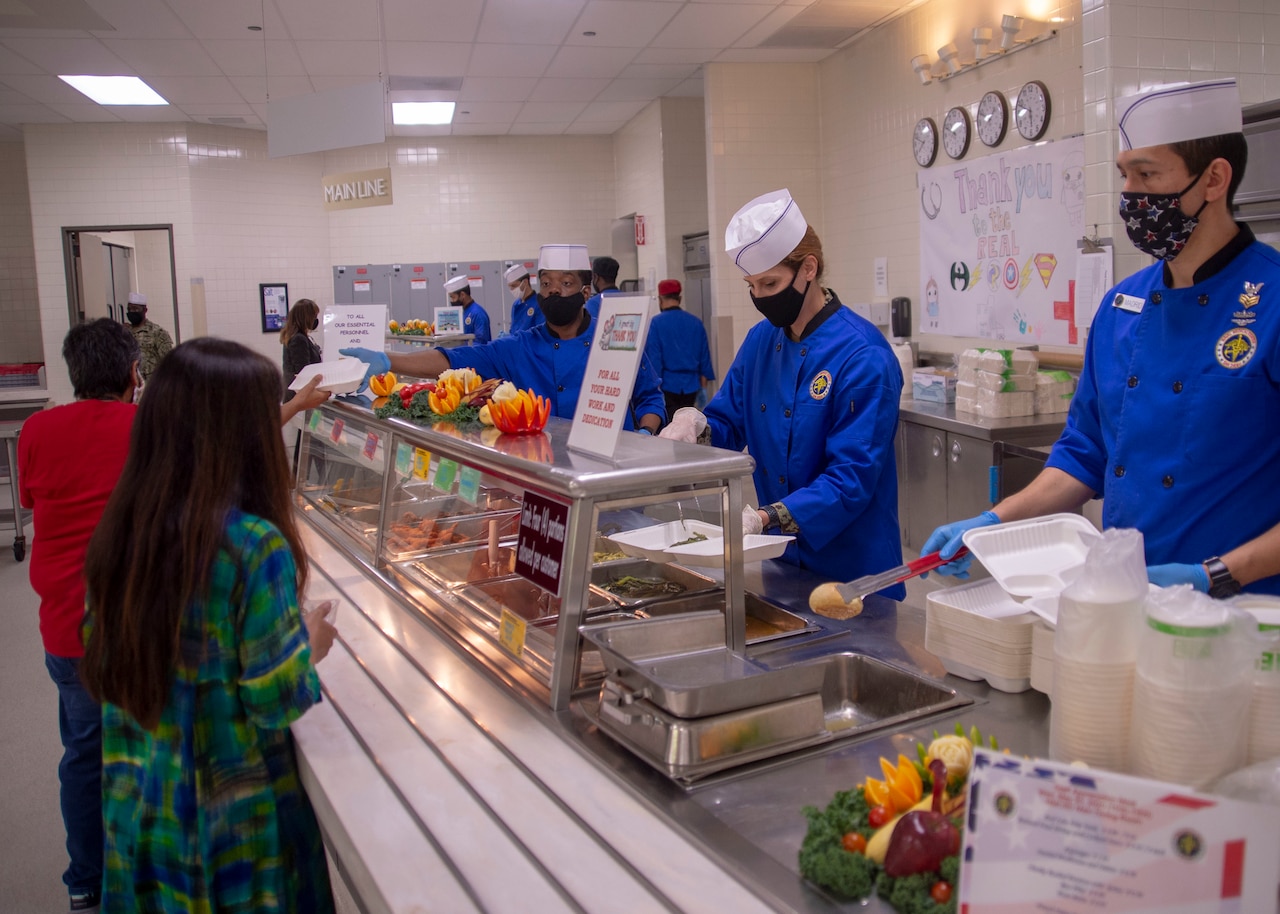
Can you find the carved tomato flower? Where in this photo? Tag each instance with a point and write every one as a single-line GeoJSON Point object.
{"type": "Point", "coordinates": [522, 414]}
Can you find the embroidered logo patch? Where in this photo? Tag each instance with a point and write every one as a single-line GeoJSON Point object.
{"type": "Point", "coordinates": [820, 386]}
{"type": "Point", "coordinates": [529, 313]}
{"type": "Point", "coordinates": [1236, 347]}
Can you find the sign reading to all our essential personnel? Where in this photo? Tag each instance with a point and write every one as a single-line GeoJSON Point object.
{"type": "Point", "coordinates": [612, 366]}
{"type": "Point", "coordinates": [540, 545]}
{"type": "Point", "coordinates": [357, 189]}
{"type": "Point", "coordinates": [347, 326]}
{"type": "Point", "coordinates": [1043, 836]}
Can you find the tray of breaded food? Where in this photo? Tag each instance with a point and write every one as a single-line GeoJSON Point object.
{"type": "Point", "coordinates": [414, 534]}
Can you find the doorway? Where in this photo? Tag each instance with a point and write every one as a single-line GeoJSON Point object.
{"type": "Point", "coordinates": [105, 263]}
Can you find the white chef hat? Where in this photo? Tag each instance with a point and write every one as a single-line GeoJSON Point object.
{"type": "Point", "coordinates": [515, 271]}
{"type": "Point", "coordinates": [764, 232]}
{"type": "Point", "coordinates": [455, 283]}
{"type": "Point", "coordinates": [564, 257]}
{"type": "Point", "coordinates": [137, 298]}
{"type": "Point", "coordinates": [1177, 112]}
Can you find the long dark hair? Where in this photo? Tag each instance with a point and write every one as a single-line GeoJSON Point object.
{"type": "Point", "coordinates": [301, 316]}
{"type": "Point", "coordinates": [206, 440]}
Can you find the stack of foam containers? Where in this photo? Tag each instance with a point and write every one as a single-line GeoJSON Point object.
{"type": "Point", "coordinates": [1054, 390]}
{"type": "Point", "coordinates": [979, 632]}
{"type": "Point", "coordinates": [997, 383]}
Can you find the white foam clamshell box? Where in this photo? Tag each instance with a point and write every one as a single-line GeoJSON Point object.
{"type": "Point", "coordinates": [341, 376]}
{"type": "Point", "coordinates": [992, 404]}
{"type": "Point", "coordinates": [657, 544]}
{"type": "Point", "coordinates": [1007, 362]}
{"type": "Point", "coordinates": [978, 632]}
{"type": "Point", "coordinates": [1031, 558]}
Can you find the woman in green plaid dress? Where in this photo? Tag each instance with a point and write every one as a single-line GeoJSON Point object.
{"type": "Point", "coordinates": [197, 649]}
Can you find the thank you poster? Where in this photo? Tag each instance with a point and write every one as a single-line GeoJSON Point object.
{"type": "Point", "coordinates": [998, 244]}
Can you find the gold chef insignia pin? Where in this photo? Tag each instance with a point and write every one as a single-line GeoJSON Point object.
{"type": "Point", "coordinates": [820, 386]}
{"type": "Point", "coordinates": [1250, 296]}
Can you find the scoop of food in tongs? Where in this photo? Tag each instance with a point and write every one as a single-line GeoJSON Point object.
{"type": "Point", "coordinates": [844, 601]}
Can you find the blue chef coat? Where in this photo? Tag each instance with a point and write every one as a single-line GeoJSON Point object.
{"type": "Point", "coordinates": [553, 368]}
{"type": "Point", "coordinates": [476, 320]}
{"type": "Point", "coordinates": [677, 348]}
{"type": "Point", "coordinates": [819, 416]}
{"type": "Point", "coordinates": [593, 303]}
{"type": "Point", "coordinates": [1175, 418]}
{"type": "Point", "coordinates": [525, 314]}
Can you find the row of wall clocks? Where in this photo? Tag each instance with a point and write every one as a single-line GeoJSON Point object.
{"type": "Point", "coordinates": [1030, 116]}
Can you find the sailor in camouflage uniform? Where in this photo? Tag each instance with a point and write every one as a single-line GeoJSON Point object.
{"type": "Point", "coordinates": [153, 340]}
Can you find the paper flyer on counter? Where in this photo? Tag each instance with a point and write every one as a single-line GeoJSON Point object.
{"type": "Point", "coordinates": [1052, 838]}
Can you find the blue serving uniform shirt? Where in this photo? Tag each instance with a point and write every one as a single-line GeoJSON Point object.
{"type": "Point", "coordinates": [593, 303]}
{"type": "Point", "coordinates": [678, 350]}
{"type": "Point", "coordinates": [1176, 415]}
{"type": "Point", "coordinates": [525, 314]}
{"type": "Point", "coordinates": [819, 416]}
{"type": "Point", "coordinates": [553, 368]}
{"type": "Point", "coordinates": [476, 320]}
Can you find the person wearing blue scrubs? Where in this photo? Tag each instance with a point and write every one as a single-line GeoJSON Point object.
{"type": "Point", "coordinates": [604, 279]}
{"type": "Point", "coordinates": [525, 313]}
{"type": "Point", "coordinates": [678, 350]}
{"type": "Point", "coordinates": [475, 319]}
{"type": "Point", "coordinates": [813, 396]}
{"type": "Point", "coordinates": [1174, 420]}
{"type": "Point", "coordinates": [550, 359]}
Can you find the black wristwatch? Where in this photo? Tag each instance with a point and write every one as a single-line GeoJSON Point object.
{"type": "Point", "coordinates": [1221, 583]}
{"type": "Point", "coordinates": [773, 520]}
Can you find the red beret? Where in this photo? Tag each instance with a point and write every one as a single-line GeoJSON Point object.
{"type": "Point", "coordinates": [669, 287]}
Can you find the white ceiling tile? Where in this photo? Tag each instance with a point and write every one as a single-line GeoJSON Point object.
{"type": "Point", "coordinates": [87, 113]}
{"type": "Point", "coordinates": [228, 18]}
{"type": "Point", "coordinates": [626, 90]}
{"type": "Point", "coordinates": [13, 97]}
{"type": "Point", "coordinates": [495, 89]}
{"type": "Point", "coordinates": [480, 129]}
{"type": "Point", "coordinates": [250, 57]}
{"type": "Point", "coordinates": [45, 89]}
{"type": "Point", "coordinates": [613, 111]}
{"type": "Point", "coordinates": [510, 59]}
{"type": "Point", "coordinates": [30, 114]}
{"type": "Point", "coordinates": [597, 62]}
{"type": "Point", "coordinates": [13, 62]}
{"type": "Point", "coordinates": [773, 55]}
{"type": "Point", "coordinates": [432, 20]}
{"type": "Point", "coordinates": [150, 57]}
{"type": "Point", "coordinates": [621, 23]}
{"type": "Point", "coordinates": [528, 21]}
{"type": "Point", "coordinates": [149, 114]}
{"type": "Point", "coordinates": [325, 83]}
{"type": "Point", "coordinates": [556, 89]}
{"type": "Point", "coordinates": [549, 112]}
{"type": "Point", "coordinates": [768, 25]}
{"type": "Point", "coordinates": [690, 88]}
{"type": "Point", "coordinates": [11, 134]}
{"type": "Point", "coordinates": [594, 128]}
{"type": "Point", "coordinates": [539, 129]}
{"type": "Point", "coordinates": [71, 56]}
{"type": "Point", "coordinates": [427, 58]}
{"type": "Point", "coordinates": [659, 71]}
{"type": "Point", "coordinates": [184, 90]}
{"type": "Point", "coordinates": [709, 25]}
{"type": "Point", "coordinates": [694, 56]}
{"type": "Point", "coordinates": [330, 20]}
{"type": "Point", "coordinates": [486, 112]}
{"type": "Point", "coordinates": [341, 58]}
{"type": "Point", "coordinates": [736, 2]}
{"type": "Point", "coordinates": [140, 19]}
{"type": "Point", "coordinates": [255, 89]}
{"type": "Point", "coordinates": [221, 110]}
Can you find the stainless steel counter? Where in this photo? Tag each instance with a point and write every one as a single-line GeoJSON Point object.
{"type": "Point", "coordinates": [431, 776]}
{"type": "Point", "coordinates": [1018, 428]}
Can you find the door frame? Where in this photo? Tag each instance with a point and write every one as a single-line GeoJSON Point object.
{"type": "Point", "coordinates": [69, 233]}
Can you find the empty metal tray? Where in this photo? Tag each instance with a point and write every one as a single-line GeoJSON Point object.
{"type": "Point", "coordinates": [468, 566]}
{"type": "Point", "coordinates": [524, 598]}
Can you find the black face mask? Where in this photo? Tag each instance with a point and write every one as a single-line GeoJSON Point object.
{"type": "Point", "coordinates": [782, 308]}
{"type": "Point", "coordinates": [1156, 224]}
{"type": "Point", "coordinates": [315, 324]}
{"type": "Point", "coordinates": [561, 310]}
{"type": "Point", "coordinates": [135, 317]}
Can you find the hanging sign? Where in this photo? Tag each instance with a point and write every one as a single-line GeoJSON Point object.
{"type": "Point", "coordinates": [640, 230]}
{"type": "Point", "coordinates": [357, 189]}
{"type": "Point", "coordinates": [610, 378]}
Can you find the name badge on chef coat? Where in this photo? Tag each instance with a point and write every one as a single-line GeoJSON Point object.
{"type": "Point", "coordinates": [1129, 303]}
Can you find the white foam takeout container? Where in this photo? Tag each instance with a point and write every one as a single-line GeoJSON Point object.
{"type": "Point", "coordinates": [657, 544]}
{"type": "Point", "coordinates": [341, 376]}
{"type": "Point", "coordinates": [1034, 557]}
{"type": "Point", "coordinates": [709, 553]}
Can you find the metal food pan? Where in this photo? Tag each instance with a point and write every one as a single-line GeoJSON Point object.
{"type": "Point", "coordinates": [606, 551]}
{"type": "Point", "coordinates": [765, 621]}
{"type": "Point", "coordinates": [662, 576]}
{"type": "Point", "coordinates": [681, 664]}
{"type": "Point", "coordinates": [465, 566]}
{"type": "Point", "coordinates": [488, 501]}
{"type": "Point", "coordinates": [524, 598]}
{"type": "Point", "coordinates": [450, 533]}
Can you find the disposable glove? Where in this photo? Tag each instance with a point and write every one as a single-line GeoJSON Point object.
{"type": "Point", "coordinates": [377, 361]}
{"type": "Point", "coordinates": [751, 522]}
{"type": "Point", "coordinates": [1169, 575]}
{"type": "Point", "coordinates": [686, 425]}
{"type": "Point", "coordinates": [947, 540]}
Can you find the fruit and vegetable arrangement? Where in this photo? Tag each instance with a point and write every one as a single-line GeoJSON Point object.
{"type": "Point", "coordinates": [898, 836]}
{"type": "Point", "coordinates": [412, 327]}
{"type": "Point", "coordinates": [459, 396]}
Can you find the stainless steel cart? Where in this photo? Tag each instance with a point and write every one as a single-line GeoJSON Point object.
{"type": "Point", "coordinates": [16, 516]}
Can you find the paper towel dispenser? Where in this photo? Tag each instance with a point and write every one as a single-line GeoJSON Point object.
{"type": "Point", "coordinates": [900, 317]}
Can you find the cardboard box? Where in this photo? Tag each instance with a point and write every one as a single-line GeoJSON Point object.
{"type": "Point", "coordinates": [933, 385]}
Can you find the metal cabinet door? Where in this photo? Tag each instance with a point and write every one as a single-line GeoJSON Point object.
{"type": "Point", "coordinates": [900, 463]}
{"type": "Point", "coordinates": [926, 477]}
{"type": "Point", "coordinates": [969, 462]}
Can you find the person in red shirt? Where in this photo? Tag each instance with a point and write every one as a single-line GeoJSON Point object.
{"type": "Point", "coordinates": [69, 458]}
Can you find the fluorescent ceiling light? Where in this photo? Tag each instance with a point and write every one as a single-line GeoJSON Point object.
{"type": "Point", "coordinates": [115, 90]}
{"type": "Point", "coordinates": [422, 112]}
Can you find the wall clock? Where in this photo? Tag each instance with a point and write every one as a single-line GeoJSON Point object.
{"type": "Point", "coordinates": [1031, 111]}
{"type": "Point", "coordinates": [956, 130]}
{"type": "Point", "coordinates": [993, 118]}
{"type": "Point", "coordinates": [924, 142]}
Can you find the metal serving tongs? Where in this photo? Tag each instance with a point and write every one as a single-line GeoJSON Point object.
{"type": "Point", "coordinates": [844, 601]}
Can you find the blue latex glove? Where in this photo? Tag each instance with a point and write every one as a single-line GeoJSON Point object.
{"type": "Point", "coordinates": [947, 540]}
{"type": "Point", "coordinates": [1169, 575]}
{"type": "Point", "coordinates": [377, 361]}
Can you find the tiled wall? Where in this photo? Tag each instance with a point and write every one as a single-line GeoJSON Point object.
{"type": "Point", "coordinates": [20, 340]}
{"type": "Point", "coordinates": [684, 169]}
{"type": "Point", "coordinates": [640, 182]}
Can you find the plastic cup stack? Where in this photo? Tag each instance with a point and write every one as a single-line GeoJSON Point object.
{"type": "Point", "coordinates": [1192, 691]}
{"type": "Point", "coordinates": [1264, 707]}
{"type": "Point", "coordinates": [1095, 650]}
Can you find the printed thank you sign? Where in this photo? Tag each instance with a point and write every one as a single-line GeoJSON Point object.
{"type": "Point", "coordinates": [611, 373]}
{"type": "Point", "coordinates": [347, 326]}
